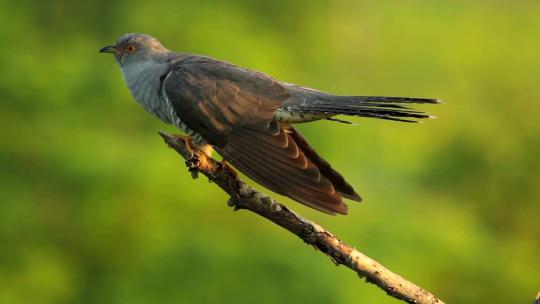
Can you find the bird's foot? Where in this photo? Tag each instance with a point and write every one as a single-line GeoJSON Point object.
{"type": "Point", "coordinates": [194, 165]}
{"type": "Point", "coordinates": [194, 161]}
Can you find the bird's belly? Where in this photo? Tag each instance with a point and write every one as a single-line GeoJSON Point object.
{"type": "Point", "coordinates": [151, 103]}
{"type": "Point", "coordinates": [143, 83]}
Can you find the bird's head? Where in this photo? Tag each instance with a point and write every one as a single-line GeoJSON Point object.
{"type": "Point", "coordinates": [135, 48]}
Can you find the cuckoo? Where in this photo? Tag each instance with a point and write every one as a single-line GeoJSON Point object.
{"type": "Point", "coordinates": [248, 116]}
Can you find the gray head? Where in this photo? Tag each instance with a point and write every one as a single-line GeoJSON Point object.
{"type": "Point", "coordinates": [131, 48]}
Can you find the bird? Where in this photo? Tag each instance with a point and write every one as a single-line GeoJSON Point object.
{"type": "Point", "coordinates": [248, 116]}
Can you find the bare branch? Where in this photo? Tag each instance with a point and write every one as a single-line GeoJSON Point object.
{"type": "Point", "coordinates": [245, 197]}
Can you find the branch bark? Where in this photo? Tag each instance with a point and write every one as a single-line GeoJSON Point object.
{"type": "Point", "coordinates": [243, 196]}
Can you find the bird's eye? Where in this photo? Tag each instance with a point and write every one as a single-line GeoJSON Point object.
{"type": "Point", "coordinates": [130, 48]}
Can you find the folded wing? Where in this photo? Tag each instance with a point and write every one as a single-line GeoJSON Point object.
{"type": "Point", "coordinates": [233, 109]}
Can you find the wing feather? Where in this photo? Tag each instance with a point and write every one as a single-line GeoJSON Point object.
{"type": "Point", "coordinates": [233, 109]}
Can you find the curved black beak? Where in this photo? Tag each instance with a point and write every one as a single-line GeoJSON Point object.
{"type": "Point", "coordinates": [109, 49]}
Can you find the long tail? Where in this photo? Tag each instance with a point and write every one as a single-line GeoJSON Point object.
{"type": "Point", "coordinates": [390, 108]}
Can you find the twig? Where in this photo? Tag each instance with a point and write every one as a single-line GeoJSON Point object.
{"type": "Point", "coordinates": [245, 197]}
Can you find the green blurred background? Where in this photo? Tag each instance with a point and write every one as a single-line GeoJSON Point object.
{"type": "Point", "coordinates": [95, 209]}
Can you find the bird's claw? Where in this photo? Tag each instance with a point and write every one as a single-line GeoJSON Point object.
{"type": "Point", "coordinates": [194, 165]}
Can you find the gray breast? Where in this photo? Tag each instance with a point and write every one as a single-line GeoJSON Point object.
{"type": "Point", "coordinates": [143, 80]}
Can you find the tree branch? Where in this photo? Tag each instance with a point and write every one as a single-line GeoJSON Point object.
{"type": "Point", "coordinates": [245, 197]}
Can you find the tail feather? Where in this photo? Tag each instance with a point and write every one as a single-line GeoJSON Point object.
{"type": "Point", "coordinates": [379, 99]}
{"type": "Point", "coordinates": [389, 108]}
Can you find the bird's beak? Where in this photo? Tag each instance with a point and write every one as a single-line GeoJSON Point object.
{"type": "Point", "coordinates": [109, 49]}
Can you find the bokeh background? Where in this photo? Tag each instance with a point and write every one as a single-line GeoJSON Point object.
{"type": "Point", "coordinates": [95, 209]}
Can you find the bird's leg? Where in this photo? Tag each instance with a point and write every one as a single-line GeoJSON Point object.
{"type": "Point", "coordinates": [200, 153]}
{"type": "Point", "coordinates": [194, 161]}
{"type": "Point", "coordinates": [199, 159]}
{"type": "Point", "coordinates": [207, 150]}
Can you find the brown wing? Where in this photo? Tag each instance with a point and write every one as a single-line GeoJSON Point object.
{"type": "Point", "coordinates": [280, 164]}
{"type": "Point", "coordinates": [233, 109]}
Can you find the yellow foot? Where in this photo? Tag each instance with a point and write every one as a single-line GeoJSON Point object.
{"type": "Point", "coordinates": [195, 161]}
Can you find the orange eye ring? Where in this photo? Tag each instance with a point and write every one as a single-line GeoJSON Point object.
{"type": "Point", "coordinates": [130, 48]}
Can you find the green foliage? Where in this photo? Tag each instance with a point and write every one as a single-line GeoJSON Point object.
{"type": "Point", "coordinates": [95, 209]}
